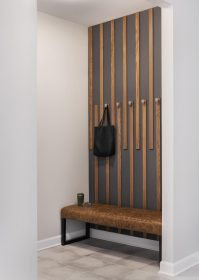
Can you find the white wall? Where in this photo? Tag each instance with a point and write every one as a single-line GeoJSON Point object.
{"type": "Point", "coordinates": [167, 134]}
{"type": "Point", "coordinates": [180, 196]}
{"type": "Point", "coordinates": [18, 140]}
{"type": "Point", "coordinates": [186, 129]}
{"type": "Point", "coordinates": [62, 120]}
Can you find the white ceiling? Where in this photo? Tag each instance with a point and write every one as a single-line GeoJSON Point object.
{"type": "Point", "coordinates": [91, 12]}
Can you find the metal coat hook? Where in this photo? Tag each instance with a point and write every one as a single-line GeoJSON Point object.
{"type": "Point", "coordinates": [157, 100]}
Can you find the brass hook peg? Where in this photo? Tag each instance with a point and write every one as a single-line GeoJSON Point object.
{"type": "Point", "coordinates": [157, 99]}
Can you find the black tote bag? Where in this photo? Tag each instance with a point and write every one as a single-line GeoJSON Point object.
{"type": "Point", "coordinates": [104, 137]}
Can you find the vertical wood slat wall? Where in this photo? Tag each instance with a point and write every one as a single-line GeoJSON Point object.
{"type": "Point", "coordinates": [138, 126]}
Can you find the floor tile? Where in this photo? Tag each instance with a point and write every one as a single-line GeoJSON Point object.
{"type": "Point", "coordinates": [59, 273]}
{"type": "Point", "coordinates": [112, 271]}
{"type": "Point", "coordinates": [59, 256]}
{"type": "Point", "coordinates": [88, 262]}
{"type": "Point", "coordinates": [133, 263]}
{"type": "Point", "coordinates": [80, 250]}
{"type": "Point", "coordinates": [137, 275]}
{"type": "Point", "coordinates": [152, 267]}
{"type": "Point", "coordinates": [94, 259]}
{"type": "Point", "coordinates": [86, 276]}
{"type": "Point", "coordinates": [108, 257]}
{"type": "Point", "coordinates": [45, 264]}
{"type": "Point", "coordinates": [149, 254]}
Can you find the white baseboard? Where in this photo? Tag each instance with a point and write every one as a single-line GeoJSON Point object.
{"type": "Point", "coordinates": [173, 269]}
{"type": "Point", "coordinates": [125, 239]}
{"type": "Point", "coordinates": [56, 240]}
{"type": "Point", "coordinates": [104, 235]}
{"type": "Point", "coordinates": [48, 243]}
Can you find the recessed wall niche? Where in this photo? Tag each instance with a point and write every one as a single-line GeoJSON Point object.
{"type": "Point", "coordinates": [125, 68]}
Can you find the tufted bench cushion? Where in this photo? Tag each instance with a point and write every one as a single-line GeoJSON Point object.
{"type": "Point", "coordinates": [141, 220]}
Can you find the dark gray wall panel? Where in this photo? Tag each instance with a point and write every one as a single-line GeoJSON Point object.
{"type": "Point", "coordinates": [144, 92]}
{"type": "Point", "coordinates": [131, 57]}
{"type": "Point", "coordinates": [118, 60]}
{"type": "Point", "coordinates": [91, 177]}
{"type": "Point", "coordinates": [102, 180]}
{"type": "Point", "coordinates": [107, 63]}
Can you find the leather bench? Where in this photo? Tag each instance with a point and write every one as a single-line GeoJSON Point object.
{"type": "Point", "coordinates": [141, 220]}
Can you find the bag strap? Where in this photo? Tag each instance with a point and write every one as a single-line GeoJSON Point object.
{"type": "Point", "coordinates": [108, 115]}
{"type": "Point", "coordinates": [105, 112]}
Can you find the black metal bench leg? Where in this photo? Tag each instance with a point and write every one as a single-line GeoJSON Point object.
{"type": "Point", "coordinates": [63, 234]}
{"type": "Point", "coordinates": [160, 248]}
{"type": "Point", "coordinates": [63, 231]}
{"type": "Point", "coordinates": [87, 230]}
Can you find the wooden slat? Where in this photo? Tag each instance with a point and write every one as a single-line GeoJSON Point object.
{"type": "Point", "coordinates": [96, 117]}
{"type": "Point", "coordinates": [151, 90]}
{"type": "Point", "coordinates": [144, 159]}
{"type": "Point", "coordinates": [158, 151]}
{"type": "Point", "coordinates": [119, 156]}
{"type": "Point", "coordinates": [101, 70]}
{"type": "Point", "coordinates": [107, 180]}
{"type": "Point", "coordinates": [137, 62]}
{"type": "Point", "coordinates": [125, 141]}
{"type": "Point", "coordinates": [113, 72]}
{"type": "Point", "coordinates": [90, 49]}
{"type": "Point", "coordinates": [102, 105]}
{"type": "Point", "coordinates": [131, 151]}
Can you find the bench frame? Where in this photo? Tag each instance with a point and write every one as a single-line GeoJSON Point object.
{"type": "Point", "coordinates": [87, 236]}
{"type": "Point", "coordinates": [63, 234]}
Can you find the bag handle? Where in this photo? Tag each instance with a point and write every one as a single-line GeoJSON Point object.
{"type": "Point", "coordinates": [106, 111]}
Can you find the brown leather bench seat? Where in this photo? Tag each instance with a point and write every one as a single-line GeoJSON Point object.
{"type": "Point", "coordinates": [142, 220]}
